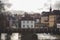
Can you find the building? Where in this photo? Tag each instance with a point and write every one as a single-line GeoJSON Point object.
{"type": "Point", "coordinates": [13, 21]}
{"type": "Point", "coordinates": [49, 19]}
{"type": "Point", "coordinates": [52, 20]}
{"type": "Point", "coordinates": [37, 18]}
{"type": "Point", "coordinates": [44, 21]}
{"type": "Point", "coordinates": [27, 22]}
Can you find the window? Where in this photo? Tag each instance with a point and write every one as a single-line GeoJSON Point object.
{"type": "Point", "coordinates": [23, 25]}
{"type": "Point", "coordinates": [23, 21]}
{"type": "Point", "coordinates": [31, 26]}
{"type": "Point", "coordinates": [37, 20]}
{"type": "Point", "coordinates": [46, 20]}
{"type": "Point", "coordinates": [27, 21]}
{"type": "Point", "coordinates": [31, 21]}
{"type": "Point", "coordinates": [27, 26]}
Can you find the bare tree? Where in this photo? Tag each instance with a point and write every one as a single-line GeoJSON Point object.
{"type": "Point", "coordinates": [3, 18]}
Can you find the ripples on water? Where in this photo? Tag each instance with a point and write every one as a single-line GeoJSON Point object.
{"type": "Point", "coordinates": [3, 36]}
{"type": "Point", "coordinates": [41, 36]}
{"type": "Point", "coordinates": [14, 36]}
{"type": "Point", "coordinates": [46, 36]}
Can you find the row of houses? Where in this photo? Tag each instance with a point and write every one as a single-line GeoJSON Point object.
{"type": "Point", "coordinates": [49, 19]}
{"type": "Point", "coordinates": [30, 21]}
{"type": "Point", "coordinates": [17, 21]}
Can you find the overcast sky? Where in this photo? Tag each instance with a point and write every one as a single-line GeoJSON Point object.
{"type": "Point", "coordinates": [31, 5]}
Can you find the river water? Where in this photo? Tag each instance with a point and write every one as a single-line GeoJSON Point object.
{"type": "Point", "coordinates": [44, 36]}
{"type": "Point", "coordinates": [41, 36]}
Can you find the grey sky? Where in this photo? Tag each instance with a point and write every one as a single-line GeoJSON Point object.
{"type": "Point", "coordinates": [33, 5]}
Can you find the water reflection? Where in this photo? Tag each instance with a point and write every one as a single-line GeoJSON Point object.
{"type": "Point", "coordinates": [46, 36]}
{"type": "Point", "coordinates": [3, 36]}
{"type": "Point", "coordinates": [41, 36]}
{"type": "Point", "coordinates": [14, 36]}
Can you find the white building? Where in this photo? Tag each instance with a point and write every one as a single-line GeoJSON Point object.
{"type": "Point", "coordinates": [58, 25]}
{"type": "Point", "coordinates": [27, 22]}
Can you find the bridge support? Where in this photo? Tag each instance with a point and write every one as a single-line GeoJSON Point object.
{"type": "Point", "coordinates": [0, 36]}
{"type": "Point", "coordinates": [28, 35]}
{"type": "Point", "coordinates": [8, 37]}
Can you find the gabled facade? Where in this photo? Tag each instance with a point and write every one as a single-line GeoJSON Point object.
{"type": "Point", "coordinates": [44, 21]}
{"type": "Point", "coordinates": [27, 22]}
{"type": "Point", "coordinates": [52, 18]}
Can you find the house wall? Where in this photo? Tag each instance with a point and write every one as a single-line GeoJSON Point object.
{"type": "Point", "coordinates": [44, 19]}
{"type": "Point", "coordinates": [52, 21]}
{"type": "Point", "coordinates": [27, 24]}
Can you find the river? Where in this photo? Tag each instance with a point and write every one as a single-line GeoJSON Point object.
{"type": "Point", "coordinates": [41, 36]}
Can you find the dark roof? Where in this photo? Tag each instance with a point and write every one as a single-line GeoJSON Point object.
{"type": "Point", "coordinates": [46, 13]}
{"type": "Point", "coordinates": [27, 18]}
{"type": "Point", "coordinates": [54, 12]}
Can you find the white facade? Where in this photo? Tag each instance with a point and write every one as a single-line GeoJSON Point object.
{"type": "Point", "coordinates": [58, 25]}
{"type": "Point", "coordinates": [27, 24]}
{"type": "Point", "coordinates": [37, 20]}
